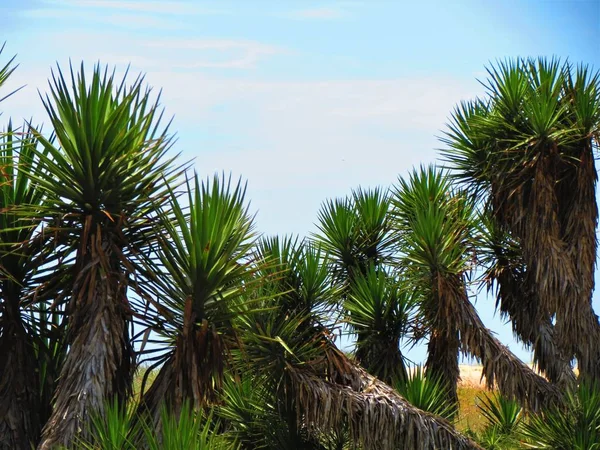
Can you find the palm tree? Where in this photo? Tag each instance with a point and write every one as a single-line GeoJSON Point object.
{"type": "Point", "coordinates": [526, 151]}
{"type": "Point", "coordinates": [204, 255]}
{"type": "Point", "coordinates": [107, 176]}
{"type": "Point", "coordinates": [435, 229]}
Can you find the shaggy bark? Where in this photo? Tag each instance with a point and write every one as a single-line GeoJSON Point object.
{"type": "Point", "coordinates": [442, 359]}
{"type": "Point", "coordinates": [99, 364]}
{"type": "Point", "coordinates": [193, 372]}
{"type": "Point", "coordinates": [518, 302]}
{"type": "Point", "coordinates": [551, 208]}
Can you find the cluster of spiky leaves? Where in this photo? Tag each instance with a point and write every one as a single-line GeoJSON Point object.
{"type": "Point", "coordinates": [427, 392]}
{"type": "Point", "coordinates": [380, 312]}
{"type": "Point", "coordinates": [357, 234]}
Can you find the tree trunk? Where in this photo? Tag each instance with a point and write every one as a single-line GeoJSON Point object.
{"type": "Point", "coordinates": [576, 322]}
{"type": "Point", "coordinates": [442, 360]}
{"type": "Point", "coordinates": [444, 345]}
{"type": "Point", "coordinates": [99, 364]}
{"type": "Point", "coordinates": [19, 383]}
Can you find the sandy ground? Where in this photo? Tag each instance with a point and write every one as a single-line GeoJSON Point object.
{"type": "Point", "coordinates": [471, 376]}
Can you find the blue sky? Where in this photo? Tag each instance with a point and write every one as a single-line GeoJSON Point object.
{"type": "Point", "coordinates": [304, 99]}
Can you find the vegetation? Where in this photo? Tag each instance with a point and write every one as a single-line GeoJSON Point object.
{"type": "Point", "coordinates": [114, 257]}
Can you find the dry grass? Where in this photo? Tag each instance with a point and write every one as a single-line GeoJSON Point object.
{"type": "Point", "coordinates": [470, 388]}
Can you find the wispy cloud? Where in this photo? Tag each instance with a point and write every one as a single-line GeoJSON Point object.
{"type": "Point", "coordinates": [329, 11]}
{"type": "Point", "coordinates": [154, 7]}
{"type": "Point", "coordinates": [226, 54]}
{"type": "Point", "coordinates": [317, 14]}
{"type": "Point", "coordinates": [120, 20]}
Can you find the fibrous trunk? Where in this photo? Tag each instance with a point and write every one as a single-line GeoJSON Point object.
{"type": "Point", "coordinates": [442, 360]}
{"type": "Point", "coordinates": [501, 368]}
{"type": "Point", "coordinates": [518, 301]}
{"type": "Point", "coordinates": [382, 358]}
{"type": "Point", "coordinates": [444, 346]}
{"type": "Point", "coordinates": [99, 364]}
{"type": "Point", "coordinates": [19, 383]}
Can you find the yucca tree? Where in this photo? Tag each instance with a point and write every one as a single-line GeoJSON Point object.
{"type": "Point", "coordinates": [526, 150]}
{"type": "Point", "coordinates": [204, 253]}
{"type": "Point", "coordinates": [435, 229]}
{"type": "Point", "coordinates": [356, 233]}
{"type": "Point", "coordinates": [103, 181]}
{"type": "Point", "coordinates": [298, 294]}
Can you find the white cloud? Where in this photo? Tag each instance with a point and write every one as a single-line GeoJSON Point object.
{"type": "Point", "coordinates": [230, 54]}
{"type": "Point", "coordinates": [156, 7]}
{"type": "Point", "coordinates": [317, 13]}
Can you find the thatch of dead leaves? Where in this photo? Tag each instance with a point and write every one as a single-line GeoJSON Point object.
{"type": "Point", "coordinates": [378, 417]}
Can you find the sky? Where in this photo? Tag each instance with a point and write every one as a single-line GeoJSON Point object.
{"type": "Point", "coordinates": [305, 100]}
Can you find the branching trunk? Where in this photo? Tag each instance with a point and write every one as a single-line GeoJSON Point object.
{"type": "Point", "coordinates": [501, 368]}
{"type": "Point", "coordinates": [99, 364]}
{"type": "Point", "coordinates": [19, 384]}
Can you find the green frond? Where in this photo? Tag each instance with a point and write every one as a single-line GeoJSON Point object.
{"type": "Point", "coordinates": [427, 392]}
{"type": "Point", "coordinates": [203, 250]}
{"type": "Point", "coordinates": [296, 273]}
{"type": "Point", "coordinates": [503, 413]}
{"type": "Point", "coordinates": [356, 231]}
{"type": "Point", "coordinates": [380, 312]}
{"type": "Point", "coordinates": [434, 223]}
{"type": "Point", "coordinates": [5, 73]}
{"type": "Point", "coordinates": [576, 426]}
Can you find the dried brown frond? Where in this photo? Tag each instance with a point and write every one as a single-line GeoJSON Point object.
{"type": "Point", "coordinates": [378, 417]}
